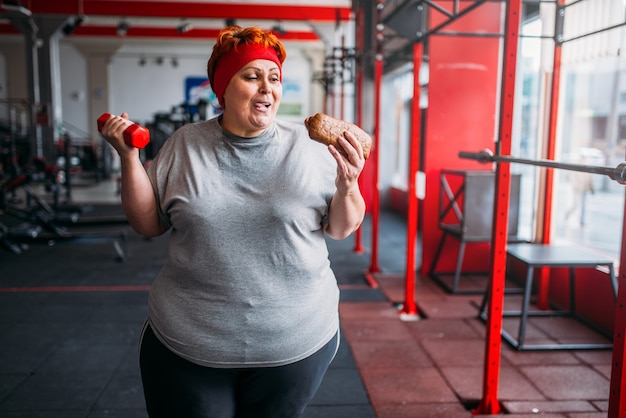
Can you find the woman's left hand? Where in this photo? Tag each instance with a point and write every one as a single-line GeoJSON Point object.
{"type": "Point", "coordinates": [347, 207]}
{"type": "Point", "coordinates": [350, 165]}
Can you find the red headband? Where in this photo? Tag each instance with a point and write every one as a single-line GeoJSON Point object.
{"type": "Point", "coordinates": [235, 59]}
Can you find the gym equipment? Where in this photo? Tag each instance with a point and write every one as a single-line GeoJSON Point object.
{"type": "Point", "coordinates": [135, 135]}
{"type": "Point", "coordinates": [6, 242]}
{"type": "Point", "coordinates": [466, 214]}
{"type": "Point", "coordinates": [27, 218]}
{"type": "Point", "coordinates": [536, 256]}
{"type": "Point", "coordinates": [487, 156]}
{"type": "Point", "coordinates": [35, 221]}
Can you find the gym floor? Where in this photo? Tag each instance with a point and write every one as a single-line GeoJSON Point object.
{"type": "Point", "coordinates": [71, 313]}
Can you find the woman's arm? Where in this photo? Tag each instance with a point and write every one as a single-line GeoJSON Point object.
{"type": "Point", "coordinates": [347, 207]}
{"type": "Point", "coordinates": [138, 199]}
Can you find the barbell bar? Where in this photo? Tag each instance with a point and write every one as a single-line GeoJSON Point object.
{"type": "Point", "coordinates": [486, 156]}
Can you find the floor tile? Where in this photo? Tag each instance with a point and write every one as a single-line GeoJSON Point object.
{"type": "Point", "coordinates": [446, 328]}
{"type": "Point", "coordinates": [23, 356]}
{"type": "Point", "coordinates": [389, 354]}
{"type": "Point", "coordinates": [118, 413]}
{"type": "Point", "coordinates": [568, 382]}
{"type": "Point", "coordinates": [448, 352]}
{"type": "Point", "coordinates": [595, 356]}
{"type": "Point", "coordinates": [368, 311]}
{"type": "Point", "coordinates": [604, 370]}
{"type": "Point", "coordinates": [542, 407]}
{"type": "Point", "coordinates": [372, 330]}
{"type": "Point", "coordinates": [341, 387]}
{"type": "Point", "coordinates": [525, 358]}
{"type": "Point", "coordinates": [450, 308]}
{"type": "Point", "coordinates": [124, 391]}
{"type": "Point", "coordinates": [406, 385]}
{"type": "Point", "coordinates": [43, 414]}
{"type": "Point", "coordinates": [339, 411]}
{"type": "Point", "coordinates": [69, 358]}
{"type": "Point", "coordinates": [409, 410]}
{"type": "Point", "coordinates": [601, 405]}
{"type": "Point", "coordinates": [467, 383]}
{"type": "Point", "coordinates": [9, 381]}
{"type": "Point", "coordinates": [56, 391]}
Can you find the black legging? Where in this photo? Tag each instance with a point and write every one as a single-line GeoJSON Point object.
{"type": "Point", "coordinates": [174, 387]}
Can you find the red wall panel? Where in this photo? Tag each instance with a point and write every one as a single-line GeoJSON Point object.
{"type": "Point", "coordinates": [462, 112]}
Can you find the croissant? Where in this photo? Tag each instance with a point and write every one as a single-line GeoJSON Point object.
{"type": "Point", "coordinates": [327, 130]}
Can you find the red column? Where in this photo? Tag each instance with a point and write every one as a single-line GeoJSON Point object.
{"type": "Point", "coordinates": [550, 152]}
{"type": "Point", "coordinates": [493, 342]}
{"type": "Point", "coordinates": [409, 307]}
{"type": "Point", "coordinates": [358, 105]}
{"type": "Point", "coordinates": [378, 76]}
{"type": "Point", "coordinates": [617, 395]}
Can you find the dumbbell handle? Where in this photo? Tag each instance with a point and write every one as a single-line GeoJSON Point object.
{"type": "Point", "coordinates": [135, 135]}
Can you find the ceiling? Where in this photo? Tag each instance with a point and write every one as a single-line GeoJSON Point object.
{"type": "Point", "coordinates": [293, 20]}
{"type": "Point", "coordinates": [173, 21]}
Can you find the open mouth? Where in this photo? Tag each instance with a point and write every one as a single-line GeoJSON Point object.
{"type": "Point", "coordinates": [262, 105]}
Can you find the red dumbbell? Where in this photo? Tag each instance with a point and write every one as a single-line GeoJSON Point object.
{"type": "Point", "coordinates": [135, 135]}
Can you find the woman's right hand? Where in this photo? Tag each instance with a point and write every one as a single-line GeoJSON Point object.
{"type": "Point", "coordinates": [113, 131]}
{"type": "Point", "coordinates": [138, 199]}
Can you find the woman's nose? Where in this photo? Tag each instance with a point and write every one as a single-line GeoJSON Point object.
{"type": "Point", "coordinates": [265, 87]}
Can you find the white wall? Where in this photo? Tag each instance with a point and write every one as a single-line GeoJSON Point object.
{"type": "Point", "coordinates": [144, 91]}
{"type": "Point", "coordinates": [74, 90]}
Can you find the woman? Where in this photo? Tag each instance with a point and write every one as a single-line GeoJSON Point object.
{"type": "Point", "coordinates": [243, 317]}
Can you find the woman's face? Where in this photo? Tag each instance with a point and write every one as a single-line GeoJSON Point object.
{"type": "Point", "coordinates": [251, 98]}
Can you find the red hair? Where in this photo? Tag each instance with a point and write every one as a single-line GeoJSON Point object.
{"type": "Point", "coordinates": [235, 47]}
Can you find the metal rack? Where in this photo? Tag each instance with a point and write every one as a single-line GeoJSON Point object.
{"type": "Point", "coordinates": [466, 214]}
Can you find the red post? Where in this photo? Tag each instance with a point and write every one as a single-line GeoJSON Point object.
{"type": "Point", "coordinates": [493, 343]}
{"type": "Point", "coordinates": [378, 76]}
{"type": "Point", "coordinates": [617, 395]}
{"type": "Point", "coordinates": [409, 308]}
{"type": "Point", "coordinates": [550, 152]}
{"type": "Point", "coordinates": [358, 106]}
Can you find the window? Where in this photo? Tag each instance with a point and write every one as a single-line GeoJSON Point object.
{"type": "Point", "coordinates": [591, 129]}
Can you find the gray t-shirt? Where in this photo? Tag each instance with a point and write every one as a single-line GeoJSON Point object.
{"type": "Point", "coordinates": [247, 281]}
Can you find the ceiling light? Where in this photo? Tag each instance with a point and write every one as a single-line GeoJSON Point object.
{"type": "Point", "coordinates": [72, 24]}
{"type": "Point", "coordinates": [184, 27]}
{"type": "Point", "coordinates": [122, 28]}
{"type": "Point", "coordinates": [278, 29]}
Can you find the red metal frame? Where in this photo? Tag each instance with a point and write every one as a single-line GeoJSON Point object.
{"type": "Point", "coordinates": [190, 9]}
{"type": "Point", "coordinates": [493, 342]}
{"type": "Point", "coordinates": [374, 268]}
{"type": "Point", "coordinates": [378, 76]}
{"type": "Point", "coordinates": [410, 307]}
{"type": "Point", "coordinates": [617, 394]}
{"type": "Point", "coordinates": [358, 105]}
